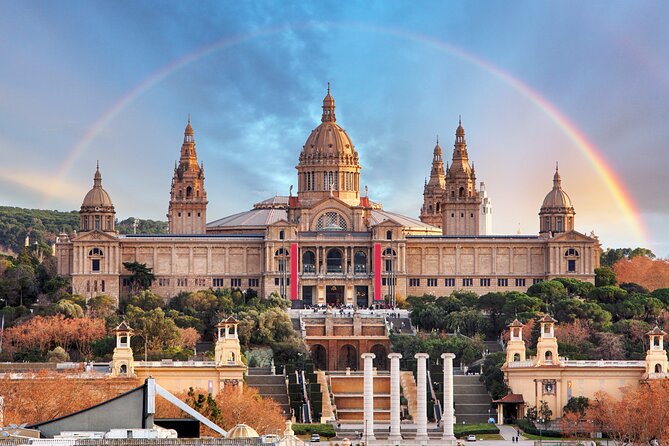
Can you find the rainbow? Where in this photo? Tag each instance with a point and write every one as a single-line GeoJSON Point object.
{"type": "Point", "coordinates": [590, 151]}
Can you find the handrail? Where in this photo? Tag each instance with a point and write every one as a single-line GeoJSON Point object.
{"type": "Point", "coordinates": [437, 416]}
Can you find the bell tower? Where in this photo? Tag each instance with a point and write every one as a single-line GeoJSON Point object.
{"type": "Point", "coordinates": [123, 362]}
{"type": "Point", "coordinates": [461, 207]}
{"type": "Point", "coordinates": [227, 351]}
{"type": "Point", "coordinates": [187, 213]}
{"type": "Point", "coordinates": [656, 357]}
{"type": "Point", "coordinates": [515, 349]}
{"type": "Point", "coordinates": [433, 193]}
{"type": "Point", "coordinates": [547, 346]}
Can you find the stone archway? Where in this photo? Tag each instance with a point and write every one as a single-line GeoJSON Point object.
{"type": "Point", "coordinates": [348, 357]}
{"type": "Point", "coordinates": [320, 356]}
{"type": "Point", "coordinates": [381, 359]}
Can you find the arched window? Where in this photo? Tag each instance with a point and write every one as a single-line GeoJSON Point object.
{"type": "Point", "coordinates": [360, 262]}
{"type": "Point", "coordinates": [331, 221]}
{"type": "Point", "coordinates": [559, 226]}
{"type": "Point", "coordinates": [461, 193]}
{"type": "Point", "coordinates": [549, 356]}
{"type": "Point", "coordinates": [123, 370]}
{"type": "Point", "coordinates": [658, 368]}
{"type": "Point", "coordinates": [95, 256]}
{"type": "Point", "coordinates": [281, 255]}
{"type": "Point", "coordinates": [189, 192]}
{"type": "Point", "coordinates": [308, 262]}
{"type": "Point", "coordinates": [571, 252]}
{"type": "Point", "coordinates": [452, 194]}
{"type": "Point", "coordinates": [197, 193]}
{"type": "Point", "coordinates": [390, 255]}
{"type": "Point", "coordinates": [516, 357]}
{"type": "Point", "coordinates": [389, 235]}
{"type": "Point", "coordinates": [334, 264]}
{"type": "Point", "coordinates": [438, 207]}
{"type": "Point", "coordinates": [282, 234]}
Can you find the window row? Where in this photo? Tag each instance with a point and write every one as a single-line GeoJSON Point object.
{"type": "Point", "coordinates": [331, 180]}
{"type": "Point", "coordinates": [483, 282]}
{"type": "Point", "coordinates": [95, 286]}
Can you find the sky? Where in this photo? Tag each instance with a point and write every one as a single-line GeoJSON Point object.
{"type": "Point", "coordinates": [585, 84]}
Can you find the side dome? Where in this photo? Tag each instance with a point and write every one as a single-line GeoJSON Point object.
{"type": "Point", "coordinates": [242, 431]}
{"type": "Point", "coordinates": [557, 198]}
{"type": "Point", "coordinates": [328, 140]}
{"type": "Point", "coordinates": [97, 197]}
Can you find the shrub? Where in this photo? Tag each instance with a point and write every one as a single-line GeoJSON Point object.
{"type": "Point", "coordinates": [528, 427]}
{"type": "Point", "coordinates": [324, 430]}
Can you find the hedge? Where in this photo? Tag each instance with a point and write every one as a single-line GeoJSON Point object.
{"type": "Point", "coordinates": [324, 430]}
{"type": "Point", "coordinates": [528, 426]}
{"type": "Point", "coordinates": [462, 430]}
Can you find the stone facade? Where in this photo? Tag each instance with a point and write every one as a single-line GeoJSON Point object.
{"type": "Point", "coordinates": [330, 243]}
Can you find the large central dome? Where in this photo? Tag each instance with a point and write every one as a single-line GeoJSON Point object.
{"type": "Point", "coordinates": [328, 162]}
{"type": "Point", "coordinates": [328, 142]}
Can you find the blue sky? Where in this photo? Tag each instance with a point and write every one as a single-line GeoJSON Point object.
{"type": "Point", "coordinates": [398, 81]}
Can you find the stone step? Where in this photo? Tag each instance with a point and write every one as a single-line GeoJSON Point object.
{"type": "Point", "coordinates": [258, 371]}
{"type": "Point", "coordinates": [473, 418]}
{"type": "Point", "coordinates": [472, 399]}
{"type": "Point", "coordinates": [471, 409]}
{"type": "Point", "coordinates": [271, 389]}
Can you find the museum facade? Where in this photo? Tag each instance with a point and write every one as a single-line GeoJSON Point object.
{"type": "Point", "coordinates": [329, 243]}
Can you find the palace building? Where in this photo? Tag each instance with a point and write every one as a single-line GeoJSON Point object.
{"type": "Point", "coordinates": [329, 243]}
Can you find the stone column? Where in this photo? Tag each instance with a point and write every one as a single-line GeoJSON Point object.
{"type": "Point", "coordinates": [395, 434]}
{"type": "Point", "coordinates": [368, 399]}
{"type": "Point", "coordinates": [449, 411]}
{"type": "Point", "coordinates": [421, 396]}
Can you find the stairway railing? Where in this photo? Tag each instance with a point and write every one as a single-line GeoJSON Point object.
{"type": "Point", "coordinates": [436, 402]}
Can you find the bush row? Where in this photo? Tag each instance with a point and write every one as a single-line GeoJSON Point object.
{"type": "Point", "coordinates": [462, 430]}
{"type": "Point", "coordinates": [324, 430]}
{"type": "Point", "coordinates": [528, 426]}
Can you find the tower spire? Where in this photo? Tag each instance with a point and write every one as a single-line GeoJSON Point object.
{"type": "Point", "coordinates": [328, 108]}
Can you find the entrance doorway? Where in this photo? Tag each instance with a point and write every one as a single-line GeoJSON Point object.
{"type": "Point", "coordinates": [307, 295]}
{"type": "Point", "coordinates": [361, 296]}
{"type": "Point", "coordinates": [334, 295]}
{"type": "Point", "coordinates": [319, 356]}
{"type": "Point", "coordinates": [348, 357]}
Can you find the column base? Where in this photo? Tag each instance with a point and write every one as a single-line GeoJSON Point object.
{"type": "Point", "coordinates": [448, 439]}
{"type": "Point", "coordinates": [396, 437]}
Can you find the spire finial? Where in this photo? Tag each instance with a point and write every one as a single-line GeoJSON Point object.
{"type": "Point", "coordinates": [459, 119]}
{"type": "Point", "coordinates": [189, 118]}
{"type": "Point", "coordinates": [328, 87]}
{"type": "Point", "coordinates": [556, 166]}
{"type": "Point", "coordinates": [437, 138]}
{"type": "Point", "coordinates": [97, 165]}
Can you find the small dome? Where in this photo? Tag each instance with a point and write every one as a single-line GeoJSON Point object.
{"type": "Point", "coordinates": [557, 198]}
{"type": "Point", "coordinates": [97, 196]}
{"type": "Point", "coordinates": [242, 431]}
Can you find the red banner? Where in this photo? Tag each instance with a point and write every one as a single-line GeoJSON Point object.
{"type": "Point", "coordinates": [377, 271]}
{"type": "Point", "coordinates": [294, 257]}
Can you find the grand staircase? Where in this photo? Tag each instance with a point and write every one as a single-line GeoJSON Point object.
{"type": "Point", "coordinates": [471, 400]}
{"type": "Point", "coordinates": [270, 386]}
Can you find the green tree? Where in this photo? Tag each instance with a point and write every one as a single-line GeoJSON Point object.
{"type": "Point", "coordinates": [577, 405]}
{"type": "Point", "coordinates": [605, 276]}
{"type": "Point", "coordinates": [141, 277]}
{"type": "Point", "coordinates": [549, 291]}
{"type": "Point", "coordinates": [493, 305]}
{"type": "Point", "coordinates": [101, 306]}
{"type": "Point", "coordinates": [67, 308]}
{"type": "Point", "coordinates": [146, 300]}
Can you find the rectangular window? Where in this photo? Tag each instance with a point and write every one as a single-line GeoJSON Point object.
{"type": "Point", "coordinates": [235, 283]}
{"type": "Point", "coordinates": [389, 265]}
{"type": "Point", "coordinates": [449, 282]}
{"type": "Point", "coordinates": [163, 282]}
{"type": "Point", "coordinates": [125, 282]}
{"type": "Point", "coordinates": [520, 282]}
{"type": "Point", "coordinates": [571, 266]}
{"type": "Point", "coordinates": [254, 282]}
{"type": "Point", "coordinates": [385, 281]}
{"type": "Point", "coordinates": [485, 282]}
{"type": "Point", "coordinates": [182, 282]}
{"type": "Point", "coordinates": [95, 266]}
{"type": "Point", "coordinates": [414, 282]}
{"type": "Point", "coordinates": [467, 282]}
{"type": "Point", "coordinates": [502, 282]}
{"type": "Point", "coordinates": [431, 282]}
{"type": "Point", "coordinates": [217, 282]}
{"type": "Point", "coordinates": [103, 286]}
{"type": "Point", "coordinates": [535, 281]}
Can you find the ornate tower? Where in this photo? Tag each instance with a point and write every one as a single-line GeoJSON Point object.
{"type": "Point", "coordinates": [227, 351]}
{"type": "Point", "coordinates": [461, 207]}
{"type": "Point", "coordinates": [515, 349]}
{"type": "Point", "coordinates": [123, 362]}
{"type": "Point", "coordinates": [433, 193]}
{"type": "Point", "coordinates": [187, 212]}
{"type": "Point", "coordinates": [97, 210]}
{"type": "Point", "coordinates": [557, 213]}
{"type": "Point", "coordinates": [328, 163]}
{"type": "Point", "coordinates": [547, 346]}
{"type": "Point", "coordinates": [657, 365]}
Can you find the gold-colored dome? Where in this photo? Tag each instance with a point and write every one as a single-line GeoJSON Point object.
{"type": "Point", "coordinates": [97, 197]}
{"type": "Point", "coordinates": [557, 198]}
{"type": "Point", "coordinates": [329, 140]}
{"type": "Point", "coordinates": [242, 431]}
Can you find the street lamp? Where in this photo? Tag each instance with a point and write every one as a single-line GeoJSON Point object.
{"type": "Point", "coordinates": [541, 424]}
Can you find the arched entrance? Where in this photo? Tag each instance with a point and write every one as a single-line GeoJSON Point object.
{"type": "Point", "coordinates": [319, 356]}
{"type": "Point", "coordinates": [333, 259]}
{"type": "Point", "coordinates": [348, 357]}
{"type": "Point", "coordinates": [381, 359]}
